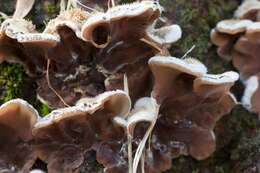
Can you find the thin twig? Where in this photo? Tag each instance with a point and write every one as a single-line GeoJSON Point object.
{"type": "Point", "coordinates": [130, 152]}
{"type": "Point", "coordinates": [152, 44]}
{"type": "Point", "coordinates": [69, 4]}
{"type": "Point", "coordinates": [126, 86]}
{"type": "Point", "coordinates": [50, 86]}
{"type": "Point", "coordinates": [141, 147]}
{"type": "Point", "coordinates": [109, 3]}
{"type": "Point", "coordinates": [3, 15]}
{"type": "Point", "coordinates": [113, 3]}
{"type": "Point", "coordinates": [188, 52]}
{"type": "Point", "coordinates": [143, 162]}
{"type": "Point", "coordinates": [84, 6]}
{"type": "Point", "coordinates": [149, 142]}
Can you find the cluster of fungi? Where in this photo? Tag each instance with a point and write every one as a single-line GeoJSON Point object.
{"type": "Point", "coordinates": [237, 41]}
{"type": "Point", "coordinates": [115, 91]}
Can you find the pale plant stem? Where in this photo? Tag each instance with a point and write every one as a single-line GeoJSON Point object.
{"type": "Point", "coordinates": [149, 142]}
{"type": "Point", "coordinates": [84, 6]}
{"type": "Point", "coordinates": [62, 5]}
{"type": "Point", "coordinates": [111, 4]}
{"type": "Point", "coordinates": [142, 161]}
{"type": "Point", "coordinates": [69, 4]}
{"type": "Point", "coordinates": [3, 15]}
{"type": "Point", "coordinates": [126, 86]}
{"type": "Point", "coordinates": [188, 52]}
{"type": "Point", "coordinates": [141, 147]}
{"type": "Point", "coordinates": [130, 152]}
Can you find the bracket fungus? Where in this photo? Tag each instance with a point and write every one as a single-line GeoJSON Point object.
{"type": "Point", "coordinates": [191, 102]}
{"type": "Point", "coordinates": [81, 54]}
{"type": "Point", "coordinates": [249, 9]}
{"type": "Point", "coordinates": [17, 119]}
{"type": "Point", "coordinates": [12, 32]}
{"type": "Point", "coordinates": [65, 135]}
{"type": "Point", "coordinates": [81, 59]}
{"type": "Point", "coordinates": [187, 104]}
{"type": "Point", "coordinates": [118, 22]}
{"type": "Point", "coordinates": [238, 41]}
{"type": "Point", "coordinates": [137, 127]}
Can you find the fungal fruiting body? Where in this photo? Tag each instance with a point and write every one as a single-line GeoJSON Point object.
{"type": "Point", "coordinates": [106, 45]}
{"type": "Point", "coordinates": [102, 124]}
{"type": "Point", "coordinates": [237, 41]}
{"type": "Point", "coordinates": [185, 104]}
{"type": "Point", "coordinates": [64, 137]}
{"type": "Point", "coordinates": [17, 119]}
{"type": "Point", "coordinates": [83, 61]}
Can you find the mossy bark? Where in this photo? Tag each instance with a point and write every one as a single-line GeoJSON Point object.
{"type": "Point", "coordinates": [238, 139]}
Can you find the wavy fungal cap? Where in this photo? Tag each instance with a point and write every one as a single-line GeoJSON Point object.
{"type": "Point", "coordinates": [116, 101]}
{"type": "Point", "coordinates": [190, 66]}
{"type": "Point", "coordinates": [116, 13]}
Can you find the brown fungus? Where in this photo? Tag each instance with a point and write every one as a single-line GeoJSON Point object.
{"type": "Point", "coordinates": [130, 41]}
{"type": "Point", "coordinates": [70, 72]}
{"type": "Point", "coordinates": [64, 136]}
{"type": "Point", "coordinates": [69, 67]}
{"type": "Point", "coordinates": [51, 57]}
{"type": "Point", "coordinates": [85, 60]}
{"type": "Point", "coordinates": [123, 32]}
{"type": "Point", "coordinates": [128, 21]}
{"type": "Point", "coordinates": [187, 104]}
{"type": "Point", "coordinates": [17, 119]}
{"type": "Point", "coordinates": [69, 78]}
{"type": "Point", "coordinates": [238, 39]}
{"type": "Point", "coordinates": [20, 43]}
{"type": "Point", "coordinates": [226, 33]}
{"type": "Point", "coordinates": [245, 52]}
{"type": "Point", "coordinates": [191, 102]}
{"type": "Point", "coordinates": [137, 128]}
{"type": "Point", "coordinates": [249, 9]}
{"type": "Point", "coordinates": [139, 79]}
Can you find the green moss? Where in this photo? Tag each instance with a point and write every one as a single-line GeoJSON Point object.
{"type": "Point", "coordinates": [247, 153]}
{"type": "Point", "coordinates": [43, 109]}
{"type": "Point", "coordinates": [1, 19]}
{"type": "Point", "coordinates": [51, 8]}
{"type": "Point", "coordinates": [11, 81]}
{"type": "Point", "coordinates": [7, 6]}
{"type": "Point", "coordinates": [245, 147]}
{"type": "Point", "coordinates": [229, 132]}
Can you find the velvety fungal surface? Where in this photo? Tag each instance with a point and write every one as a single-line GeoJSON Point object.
{"type": "Point", "coordinates": [80, 143]}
